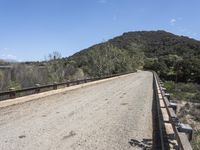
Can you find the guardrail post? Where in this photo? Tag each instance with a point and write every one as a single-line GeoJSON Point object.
{"type": "Point", "coordinates": [37, 90]}
{"type": "Point", "coordinates": [187, 129]}
{"type": "Point", "coordinates": [55, 87]}
{"type": "Point", "coordinates": [77, 82]}
{"type": "Point", "coordinates": [178, 127]}
{"type": "Point", "coordinates": [173, 106]}
{"type": "Point", "coordinates": [67, 83]}
{"type": "Point", "coordinates": [12, 93]}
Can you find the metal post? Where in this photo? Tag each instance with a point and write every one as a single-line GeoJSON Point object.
{"type": "Point", "coordinates": [37, 90]}
{"type": "Point", "coordinates": [12, 93]}
{"type": "Point", "coordinates": [55, 87]}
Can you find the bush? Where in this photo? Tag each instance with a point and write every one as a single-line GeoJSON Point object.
{"type": "Point", "coordinates": [170, 86]}
{"type": "Point", "coordinates": [196, 98]}
{"type": "Point", "coordinates": [184, 91]}
{"type": "Point", "coordinates": [196, 140]}
{"type": "Point", "coordinates": [188, 87]}
{"type": "Point", "coordinates": [15, 85]}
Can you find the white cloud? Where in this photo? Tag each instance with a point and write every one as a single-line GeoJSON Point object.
{"type": "Point", "coordinates": [3, 49]}
{"type": "Point", "coordinates": [172, 21]}
{"type": "Point", "coordinates": [8, 56]}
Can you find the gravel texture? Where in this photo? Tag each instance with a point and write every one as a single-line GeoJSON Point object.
{"type": "Point", "coordinates": [112, 115]}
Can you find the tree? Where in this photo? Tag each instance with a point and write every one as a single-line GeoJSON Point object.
{"type": "Point", "coordinates": [188, 70]}
{"type": "Point", "coordinates": [54, 56]}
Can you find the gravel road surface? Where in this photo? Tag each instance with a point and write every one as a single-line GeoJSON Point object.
{"type": "Point", "coordinates": [112, 115]}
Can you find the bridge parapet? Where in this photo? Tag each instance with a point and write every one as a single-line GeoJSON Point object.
{"type": "Point", "coordinates": [171, 137]}
{"type": "Point", "coordinates": [12, 93]}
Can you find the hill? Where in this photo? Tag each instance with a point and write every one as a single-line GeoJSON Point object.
{"type": "Point", "coordinates": [173, 57]}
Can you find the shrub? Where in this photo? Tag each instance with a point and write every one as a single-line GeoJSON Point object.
{"type": "Point", "coordinates": [196, 140]}
{"type": "Point", "coordinates": [170, 86]}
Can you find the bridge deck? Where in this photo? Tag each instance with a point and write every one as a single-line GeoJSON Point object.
{"type": "Point", "coordinates": [115, 114]}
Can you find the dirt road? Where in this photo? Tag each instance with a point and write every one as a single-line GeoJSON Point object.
{"type": "Point", "coordinates": [112, 115]}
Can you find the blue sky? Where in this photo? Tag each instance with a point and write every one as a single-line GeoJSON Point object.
{"type": "Point", "coordinates": [31, 29]}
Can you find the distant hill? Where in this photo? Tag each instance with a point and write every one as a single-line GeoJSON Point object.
{"type": "Point", "coordinates": [7, 61]}
{"type": "Point", "coordinates": [168, 54]}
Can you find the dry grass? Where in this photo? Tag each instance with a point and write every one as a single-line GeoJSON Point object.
{"type": "Point", "coordinates": [190, 113]}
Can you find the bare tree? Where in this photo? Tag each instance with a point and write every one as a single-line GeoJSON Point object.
{"type": "Point", "coordinates": [54, 56]}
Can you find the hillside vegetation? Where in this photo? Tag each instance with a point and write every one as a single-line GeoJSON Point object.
{"type": "Point", "coordinates": [173, 57]}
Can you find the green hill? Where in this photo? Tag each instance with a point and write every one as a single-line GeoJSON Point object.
{"type": "Point", "coordinates": [173, 57]}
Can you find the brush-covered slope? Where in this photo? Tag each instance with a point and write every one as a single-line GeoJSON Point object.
{"type": "Point", "coordinates": [173, 57]}
{"type": "Point", "coordinates": [168, 54]}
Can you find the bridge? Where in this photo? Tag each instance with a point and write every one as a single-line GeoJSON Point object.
{"type": "Point", "coordinates": [119, 112]}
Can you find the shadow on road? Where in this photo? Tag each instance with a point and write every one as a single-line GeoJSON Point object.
{"type": "Point", "coordinates": [145, 144]}
{"type": "Point", "coordinates": [155, 122]}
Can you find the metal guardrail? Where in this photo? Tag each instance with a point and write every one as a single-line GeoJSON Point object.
{"type": "Point", "coordinates": [159, 113]}
{"type": "Point", "coordinates": [38, 89]}
{"type": "Point", "coordinates": [181, 138]}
